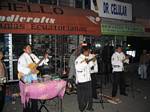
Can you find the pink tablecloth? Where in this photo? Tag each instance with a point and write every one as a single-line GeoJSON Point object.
{"type": "Point", "coordinates": [42, 91]}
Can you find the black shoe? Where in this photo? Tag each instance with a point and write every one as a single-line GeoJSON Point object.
{"type": "Point", "coordinates": [124, 94]}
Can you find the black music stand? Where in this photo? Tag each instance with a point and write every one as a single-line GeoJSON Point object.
{"type": "Point", "coordinates": [43, 105]}
{"type": "Point", "coordinates": [100, 95]}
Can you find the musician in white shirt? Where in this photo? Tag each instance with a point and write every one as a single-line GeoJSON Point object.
{"type": "Point", "coordinates": [83, 80]}
{"type": "Point", "coordinates": [117, 60]}
{"type": "Point", "coordinates": [27, 74]}
{"type": "Point", "coordinates": [24, 60]}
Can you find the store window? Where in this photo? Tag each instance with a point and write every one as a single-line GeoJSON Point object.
{"type": "Point", "coordinates": [18, 41]}
{"type": "Point", "coordinates": [58, 48]}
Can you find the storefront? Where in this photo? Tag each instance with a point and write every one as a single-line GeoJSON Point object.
{"type": "Point", "coordinates": [117, 27]}
{"type": "Point", "coordinates": [120, 32]}
{"type": "Point", "coordinates": [116, 24]}
{"type": "Point", "coordinates": [45, 27]}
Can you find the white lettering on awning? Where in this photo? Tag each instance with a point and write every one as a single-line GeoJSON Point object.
{"type": "Point", "coordinates": [18, 18]}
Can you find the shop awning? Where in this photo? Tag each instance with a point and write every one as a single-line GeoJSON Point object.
{"type": "Point", "coordinates": [23, 18]}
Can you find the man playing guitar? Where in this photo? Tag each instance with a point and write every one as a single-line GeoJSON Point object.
{"type": "Point", "coordinates": [27, 71]}
{"type": "Point", "coordinates": [27, 64]}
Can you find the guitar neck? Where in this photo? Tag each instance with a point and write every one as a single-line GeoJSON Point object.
{"type": "Point", "coordinates": [42, 58]}
{"type": "Point", "coordinates": [40, 61]}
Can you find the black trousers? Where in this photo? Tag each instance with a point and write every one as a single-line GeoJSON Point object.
{"type": "Point", "coordinates": [31, 106]}
{"type": "Point", "coordinates": [118, 80]}
{"type": "Point", "coordinates": [84, 95]}
{"type": "Point", "coordinates": [2, 97]}
{"type": "Point", "coordinates": [94, 84]}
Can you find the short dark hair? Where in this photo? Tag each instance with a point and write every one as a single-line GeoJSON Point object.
{"type": "Point", "coordinates": [1, 51]}
{"type": "Point", "coordinates": [84, 48]}
{"type": "Point", "coordinates": [24, 47]}
{"type": "Point", "coordinates": [117, 46]}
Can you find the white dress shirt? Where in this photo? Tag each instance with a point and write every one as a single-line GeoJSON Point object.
{"type": "Point", "coordinates": [83, 70]}
{"type": "Point", "coordinates": [117, 61]}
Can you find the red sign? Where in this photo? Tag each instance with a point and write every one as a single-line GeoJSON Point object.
{"type": "Point", "coordinates": [25, 18]}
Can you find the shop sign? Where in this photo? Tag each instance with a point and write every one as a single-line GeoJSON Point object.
{"type": "Point", "coordinates": [23, 18]}
{"type": "Point", "coordinates": [112, 9]}
{"type": "Point", "coordinates": [121, 29]}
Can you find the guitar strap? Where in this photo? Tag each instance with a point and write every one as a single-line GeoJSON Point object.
{"type": "Point", "coordinates": [39, 67]}
{"type": "Point", "coordinates": [32, 59]}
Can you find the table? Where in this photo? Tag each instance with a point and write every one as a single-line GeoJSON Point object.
{"type": "Point", "coordinates": [42, 91]}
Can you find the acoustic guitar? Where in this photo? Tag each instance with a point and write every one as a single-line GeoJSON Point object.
{"type": "Point", "coordinates": [32, 66]}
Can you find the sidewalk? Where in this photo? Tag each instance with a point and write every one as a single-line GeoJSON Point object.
{"type": "Point", "coordinates": [138, 100]}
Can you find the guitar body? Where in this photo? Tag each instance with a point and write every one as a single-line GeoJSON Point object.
{"type": "Point", "coordinates": [33, 66]}
{"type": "Point", "coordinates": [20, 75]}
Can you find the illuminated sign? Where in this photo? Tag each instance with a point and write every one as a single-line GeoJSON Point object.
{"type": "Point", "coordinates": [112, 9]}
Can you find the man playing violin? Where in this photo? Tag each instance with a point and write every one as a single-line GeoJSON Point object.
{"type": "Point", "coordinates": [83, 65]}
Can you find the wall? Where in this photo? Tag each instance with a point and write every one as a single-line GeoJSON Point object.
{"type": "Point", "coordinates": [141, 8]}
